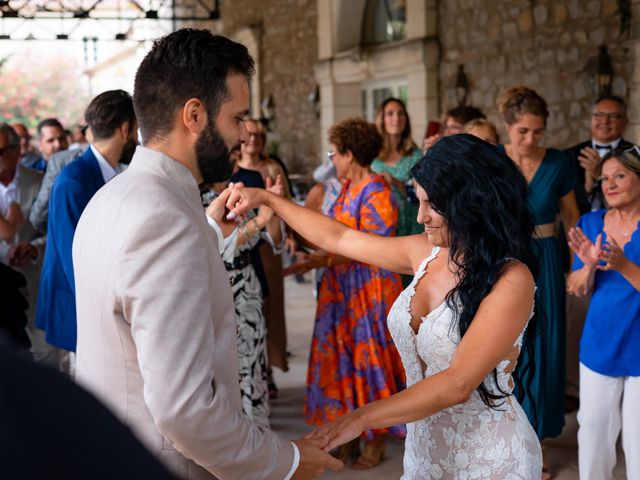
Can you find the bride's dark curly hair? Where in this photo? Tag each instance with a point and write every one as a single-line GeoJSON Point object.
{"type": "Point", "coordinates": [482, 196]}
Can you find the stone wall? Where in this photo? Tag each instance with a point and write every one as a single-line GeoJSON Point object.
{"type": "Point", "coordinates": [545, 45]}
{"type": "Point", "coordinates": [287, 40]}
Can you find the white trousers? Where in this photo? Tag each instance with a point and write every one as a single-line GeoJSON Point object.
{"type": "Point", "coordinates": [608, 405]}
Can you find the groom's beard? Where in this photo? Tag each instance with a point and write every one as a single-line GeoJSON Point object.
{"type": "Point", "coordinates": [127, 151]}
{"type": "Point", "coordinates": [213, 157]}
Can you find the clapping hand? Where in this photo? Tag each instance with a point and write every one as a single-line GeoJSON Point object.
{"type": "Point", "coordinates": [429, 142]}
{"type": "Point", "coordinates": [613, 256]}
{"type": "Point", "coordinates": [21, 253]}
{"type": "Point", "coordinates": [590, 160]}
{"type": "Point", "coordinates": [584, 248]}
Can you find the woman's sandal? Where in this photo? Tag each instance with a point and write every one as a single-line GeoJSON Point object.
{"type": "Point", "coordinates": [547, 474]}
{"type": "Point", "coordinates": [372, 455]}
{"type": "Point", "coordinates": [348, 451]}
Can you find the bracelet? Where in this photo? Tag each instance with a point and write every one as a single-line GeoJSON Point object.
{"type": "Point", "coordinates": [256, 226]}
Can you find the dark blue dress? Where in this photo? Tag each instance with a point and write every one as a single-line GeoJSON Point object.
{"type": "Point", "coordinates": [553, 179]}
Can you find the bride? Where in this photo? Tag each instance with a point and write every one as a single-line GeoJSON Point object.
{"type": "Point", "coordinates": [461, 323]}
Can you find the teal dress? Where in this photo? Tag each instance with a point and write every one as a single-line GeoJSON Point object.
{"type": "Point", "coordinates": [407, 209]}
{"type": "Point", "coordinates": [553, 179]}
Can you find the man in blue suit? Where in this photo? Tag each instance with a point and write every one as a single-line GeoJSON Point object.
{"type": "Point", "coordinates": [112, 120]}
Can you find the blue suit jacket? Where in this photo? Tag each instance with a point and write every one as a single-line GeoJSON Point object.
{"type": "Point", "coordinates": [71, 192]}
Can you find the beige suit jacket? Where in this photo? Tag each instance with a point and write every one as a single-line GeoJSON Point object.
{"type": "Point", "coordinates": [157, 327]}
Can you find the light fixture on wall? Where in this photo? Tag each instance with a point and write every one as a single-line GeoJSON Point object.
{"type": "Point", "coordinates": [462, 86]}
{"type": "Point", "coordinates": [267, 109]}
{"type": "Point", "coordinates": [314, 100]}
{"type": "Point", "coordinates": [604, 74]}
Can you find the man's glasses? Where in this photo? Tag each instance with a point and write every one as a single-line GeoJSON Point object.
{"type": "Point", "coordinates": [610, 116]}
{"type": "Point", "coordinates": [7, 149]}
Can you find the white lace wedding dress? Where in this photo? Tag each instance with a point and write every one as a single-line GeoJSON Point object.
{"type": "Point", "coordinates": [466, 441]}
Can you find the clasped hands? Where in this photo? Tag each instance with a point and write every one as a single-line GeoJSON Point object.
{"type": "Point", "coordinates": [21, 253]}
{"type": "Point", "coordinates": [326, 438]}
{"type": "Point", "coordinates": [231, 204]}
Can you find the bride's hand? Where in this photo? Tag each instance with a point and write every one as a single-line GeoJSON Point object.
{"type": "Point", "coordinates": [338, 432]}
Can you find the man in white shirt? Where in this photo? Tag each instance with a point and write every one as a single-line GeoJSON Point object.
{"type": "Point", "coordinates": [115, 132]}
{"type": "Point", "coordinates": [155, 314]}
{"type": "Point", "coordinates": [20, 185]}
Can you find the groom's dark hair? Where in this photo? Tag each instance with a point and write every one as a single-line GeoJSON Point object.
{"type": "Point", "coordinates": [189, 63]}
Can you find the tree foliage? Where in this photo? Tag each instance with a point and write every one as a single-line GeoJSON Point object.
{"type": "Point", "coordinates": [34, 86]}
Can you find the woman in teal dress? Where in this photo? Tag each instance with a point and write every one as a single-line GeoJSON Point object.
{"type": "Point", "coordinates": [551, 183]}
{"type": "Point", "coordinates": [396, 159]}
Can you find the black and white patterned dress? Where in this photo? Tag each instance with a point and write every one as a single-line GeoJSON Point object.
{"type": "Point", "coordinates": [252, 330]}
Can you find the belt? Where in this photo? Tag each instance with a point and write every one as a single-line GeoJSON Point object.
{"type": "Point", "coordinates": [545, 231]}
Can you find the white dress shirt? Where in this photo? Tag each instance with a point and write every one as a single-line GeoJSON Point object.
{"type": "Point", "coordinates": [108, 172]}
{"type": "Point", "coordinates": [603, 151]}
{"type": "Point", "coordinates": [8, 194]}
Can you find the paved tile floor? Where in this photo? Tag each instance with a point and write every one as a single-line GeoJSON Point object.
{"type": "Point", "coordinates": [286, 411]}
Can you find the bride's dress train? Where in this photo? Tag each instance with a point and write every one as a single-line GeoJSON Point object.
{"type": "Point", "coordinates": [466, 441]}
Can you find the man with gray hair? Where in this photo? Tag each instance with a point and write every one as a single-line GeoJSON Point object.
{"type": "Point", "coordinates": [24, 252]}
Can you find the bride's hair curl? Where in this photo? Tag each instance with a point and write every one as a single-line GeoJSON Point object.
{"type": "Point", "coordinates": [482, 197]}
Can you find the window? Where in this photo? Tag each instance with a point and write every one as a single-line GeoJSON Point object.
{"type": "Point", "coordinates": [375, 92]}
{"type": "Point", "coordinates": [384, 21]}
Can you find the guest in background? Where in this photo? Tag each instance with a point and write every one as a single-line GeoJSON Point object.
{"type": "Point", "coordinates": [248, 301]}
{"type": "Point", "coordinates": [397, 157]}
{"type": "Point", "coordinates": [607, 249]}
{"type": "Point", "coordinates": [28, 154]}
{"type": "Point", "coordinates": [608, 122]}
{"type": "Point", "coordinates": [51, 139]}
{"type": "Point", "coordinates": [253, 158]}
{"type": "Point", "coordinates": [353, 359]}
{"type": "Point", "coordinates": [455, 120]}
{"type": "Point", "coordinates": [115, 133]}
{"type": "Point", "coordinates": [551, 183]}
{"type": "Point", "coordinates": [23, 251]}
{"type": "Point", "coordinates": [484, 129]}
{"type": "Point", "coordinates": [79, 137]}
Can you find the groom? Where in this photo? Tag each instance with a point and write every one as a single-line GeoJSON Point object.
{"type": "Point", "coordinates": [156, 321]}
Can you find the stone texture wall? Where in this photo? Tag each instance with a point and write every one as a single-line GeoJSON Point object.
{"type": "Point", "coordinates": [543, 44]}
{"type": "Point", "coordinates": [288, 44]}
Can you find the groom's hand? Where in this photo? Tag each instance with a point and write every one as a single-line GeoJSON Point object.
{"type": "Point", "coordinates": [313, 461]}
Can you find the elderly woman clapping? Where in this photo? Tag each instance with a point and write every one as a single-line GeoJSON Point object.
{"type": "Point", "coordinates": [607, 249]}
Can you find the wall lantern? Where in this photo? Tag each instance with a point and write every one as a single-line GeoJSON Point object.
{"type": "Point", "coordinates": [314, 100]}
{"type": "Point", "coordinates": [604, 74]}
{"type": "Point", "coordinates": [462, 86]}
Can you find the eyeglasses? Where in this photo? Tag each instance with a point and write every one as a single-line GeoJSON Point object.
{"type": "Point", "coordinates": [6, 149]}
{"type": "Point", "coordinates": [610, 116]}
{"type": "Point", "coordinates": [331, 154]}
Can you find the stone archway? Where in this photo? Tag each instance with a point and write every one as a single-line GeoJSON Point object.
{"type": "Point", "coordinates": [250, 37]}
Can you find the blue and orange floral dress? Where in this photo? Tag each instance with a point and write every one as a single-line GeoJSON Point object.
{"type": "Point", "coordinates": [353, 360]}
